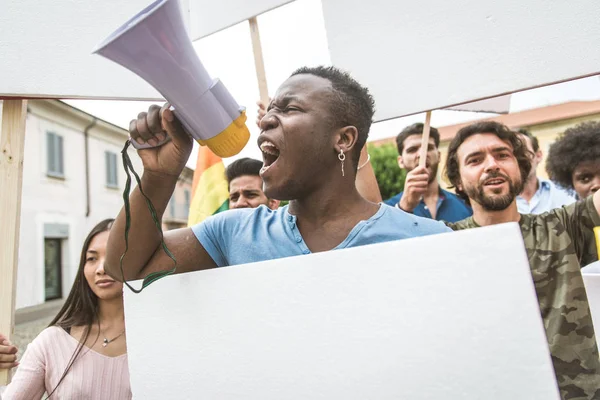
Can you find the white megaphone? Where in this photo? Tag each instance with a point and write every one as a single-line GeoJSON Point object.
{"type": "Point", "coordinates": [155, 45]}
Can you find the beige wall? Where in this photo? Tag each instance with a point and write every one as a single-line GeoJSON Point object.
{"type": "Point", "coordinates": [176, 214]}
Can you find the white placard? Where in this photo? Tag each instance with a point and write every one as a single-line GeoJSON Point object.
{"type": "Point", "coordinates": [422, 55]}
{"type": "Point", "coordinates": [500, 104]}
{"type": "Point", "coordinates": [591, 279]}
{"type": "Point", "coordinates": [387, 321]}
{"type": "Point", "coordinates": [210, 16]}
{"type": "Point", "coordinates": [46, 46]}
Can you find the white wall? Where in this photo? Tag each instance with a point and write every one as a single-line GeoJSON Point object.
{"type": "Point", "coordinates": [49, 200]}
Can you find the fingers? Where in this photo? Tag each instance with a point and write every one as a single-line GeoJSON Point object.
{"type": "Point", "coordinates": [173, 127]}
{"type": "Point", "coordinates": [8, 354]}
{"type": "Point", "coordinates": [146, 128]}
{"type": "Point", "coordinates": [262, 111]}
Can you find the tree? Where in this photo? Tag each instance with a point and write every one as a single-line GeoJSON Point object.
{"type": "Point", "coordinates": [390, 177]}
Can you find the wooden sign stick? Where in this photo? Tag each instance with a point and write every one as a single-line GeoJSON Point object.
{"type": "Point", "coordinates": [12, 145]}
{"type": "Point", "coordinates": [425, 140]}
{"type": "Point", "coordinates": [259, 62]}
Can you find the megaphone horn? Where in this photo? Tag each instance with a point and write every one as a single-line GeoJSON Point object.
{"type": "Point", "coordinates": [154, 45]}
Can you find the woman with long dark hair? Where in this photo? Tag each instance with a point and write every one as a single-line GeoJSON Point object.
{"type": "Point", "coordinates": [82, 354]}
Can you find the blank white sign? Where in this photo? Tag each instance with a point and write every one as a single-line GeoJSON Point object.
{"type": "Point", "coordinates": [591, 279]}
{"type": "Point", "coordinates": [210, 16]}
{"type": "Point", "coordinates": [388, 321]}
{"type": "Point", "coordinates": [45, 50]}
{"type": "Point", "coordinates": [422, 55]}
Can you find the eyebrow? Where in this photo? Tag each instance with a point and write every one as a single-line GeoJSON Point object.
{"type": "Point", "coordinates": [92, 251]}
{"type": "Point", "coordinates": [284, 100]}
{"type": "Point", "coordinates": [494, 150]}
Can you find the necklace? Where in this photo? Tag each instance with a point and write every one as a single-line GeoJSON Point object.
{"type": "Point", "coordinates": [106, 341]}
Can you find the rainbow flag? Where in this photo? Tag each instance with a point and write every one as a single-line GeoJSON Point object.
{"type": "Point", "coordinates": [210, 192]}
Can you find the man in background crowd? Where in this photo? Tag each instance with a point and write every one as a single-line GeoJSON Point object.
{"type": "Point", "coordinates": [246, 185]}
{"type": "Point", "coordinates": [422, 193]}
{"type": "Point", "coordinates": [539, 195]}
{"type": "Point", "coordinates": [488, 164]}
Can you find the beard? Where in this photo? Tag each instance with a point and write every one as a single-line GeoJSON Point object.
{"type": "Point", "coordinates": [498, 202]}
{"type": "Point", "coordinates": [433, 172]}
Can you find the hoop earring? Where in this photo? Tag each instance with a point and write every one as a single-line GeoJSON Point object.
{"type": "Point", "coordinates": [342, 158]}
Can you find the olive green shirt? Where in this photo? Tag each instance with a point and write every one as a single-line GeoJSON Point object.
{"type": "Point", "coordinates": [558, 244]}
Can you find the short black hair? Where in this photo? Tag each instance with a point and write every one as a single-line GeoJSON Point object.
{"type": "Point", "coordinates": [352, 103]}
{"type": "Point", "coordinates": [416, 129]}
{"type": "Point", "coordinates": [242, 167]}
{"type": "Point", "coordinates": [576, 145]}
{"type": "Point", "coordinates": [535, 144]}
{"type": "Point", "coordinates": [519, 150]}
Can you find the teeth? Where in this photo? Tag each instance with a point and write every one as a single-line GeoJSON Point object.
{"type": "Point", "coordinates": [269, 148]}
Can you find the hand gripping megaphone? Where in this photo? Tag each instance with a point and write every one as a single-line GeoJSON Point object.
{"type": "Point", "coordinates": [154, 45]}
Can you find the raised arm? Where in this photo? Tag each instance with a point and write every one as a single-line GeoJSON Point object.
{"type": "Point", "coordinates": [162, 167]}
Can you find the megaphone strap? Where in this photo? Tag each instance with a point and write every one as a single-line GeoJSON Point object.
{"type": "Point", "coordinates": [154, 276]}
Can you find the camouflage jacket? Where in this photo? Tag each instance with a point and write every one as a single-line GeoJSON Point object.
{"type": "Point", "coordinates": [558, 244]}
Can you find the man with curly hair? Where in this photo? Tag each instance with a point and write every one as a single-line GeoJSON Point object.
{"type": "Point", "coordinates": [574, 159]}
{"type": "Point", "coordinates": [488, 165]}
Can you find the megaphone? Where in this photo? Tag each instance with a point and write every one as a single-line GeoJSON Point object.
{"type": "Point", "coordinates": [154, 45]}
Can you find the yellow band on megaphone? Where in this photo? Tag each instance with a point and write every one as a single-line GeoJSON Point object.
{"type": "Point", "coordinates": [597, 234]}
{"type": "Point", "coordinates": [231, 140]}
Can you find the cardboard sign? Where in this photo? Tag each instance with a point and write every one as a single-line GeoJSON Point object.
{"type": "Point", "coordinates": [591, 279]}
{"type": "Point", "coordinates": [46, 46]}
{"type": "Point", "coordinates": [417, 56]}
{"type": "Point", "coordinates": [451, 316]}
{"type": "Point", "coordinates": [209, 16]}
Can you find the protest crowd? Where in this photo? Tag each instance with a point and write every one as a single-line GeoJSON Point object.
{"type": "Point", "coordinates": [313, 137]}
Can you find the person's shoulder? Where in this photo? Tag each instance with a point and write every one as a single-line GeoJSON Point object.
{"type": "Point", "coordinates": [401, 218]}
{"type": "Point", "coordinates": [467, 223]}
{"type": "Point", "coordinates": [581, 210]}
{"type": "Point", "coordinates": [392, 201]}
{"type": "Point", "coordinates": [454, 198]}
{"type": "Point", "coordinates": [49, 337]}
{"type": "Point", "coordinates": [560, 195]}
{"type": "Point", "coordinates": [244, 216]}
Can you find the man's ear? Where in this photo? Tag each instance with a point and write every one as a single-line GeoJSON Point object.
{"type": "Point", "coordinates": [345, 139]}
{"type": "Point", "coordinates": [273, 204]}
{"type": "Point", "coordinates": [539, 155]}
{"type": "Point", "coordinates": [401, 162]}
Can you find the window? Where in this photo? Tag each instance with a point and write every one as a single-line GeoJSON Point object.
{"type": "Point", "coordinates": [111, 169]}
{"type": "Point", "coordinates": [52, 269]}
{"type": "Point", "coordinates": [54, 145]}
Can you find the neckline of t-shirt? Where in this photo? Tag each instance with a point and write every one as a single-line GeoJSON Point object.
{"type": "Point", "coordinates": [355, 231]}
{"type": "Point", "coordinates": [88, 349]}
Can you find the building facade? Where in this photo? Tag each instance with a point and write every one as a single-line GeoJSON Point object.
{"type": "Point", "coordinates": [73, 177]}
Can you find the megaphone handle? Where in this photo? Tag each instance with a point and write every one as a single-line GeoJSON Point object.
{"type": "Point", "coordinates": [148, 145]}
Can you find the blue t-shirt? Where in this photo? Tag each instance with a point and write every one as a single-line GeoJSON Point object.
{"type": "Point", "coordinates": [249, 235]}
{"type": "Point", "coordinates": [450, 207]}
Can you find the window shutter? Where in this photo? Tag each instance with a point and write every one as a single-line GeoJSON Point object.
{"type": "Point", "coordinates": [54, 147]}
{"type": "Point", "coordinates": [50, 152]}
{"type": "Point", "coordinates": [59, 152]}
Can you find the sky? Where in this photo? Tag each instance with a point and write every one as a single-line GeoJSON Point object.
{"type": "Point", "coordinates": [293, 36]}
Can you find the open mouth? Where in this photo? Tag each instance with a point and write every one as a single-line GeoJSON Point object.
{"type": "Point", "coordinates": [494, 182]}
{"type": "Point", "coordinates": [270, 154]}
